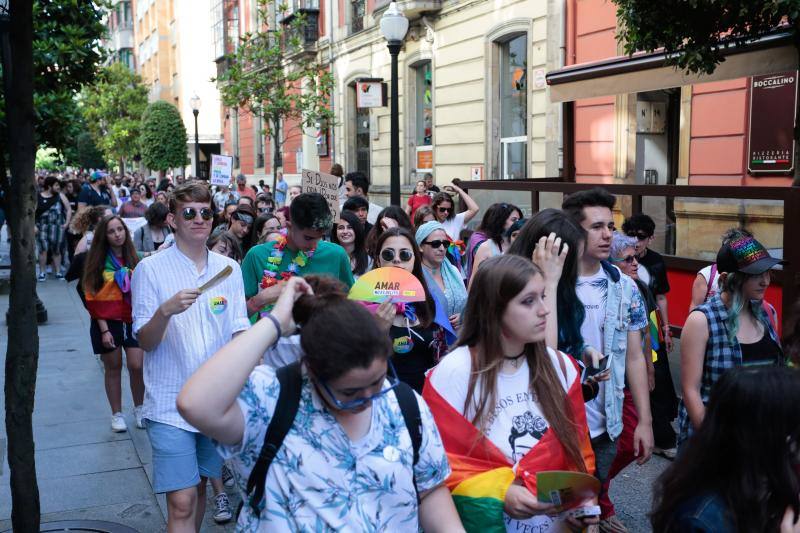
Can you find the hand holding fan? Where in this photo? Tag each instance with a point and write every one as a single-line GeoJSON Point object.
{"type": "Point", "coordinates": [392, 283]}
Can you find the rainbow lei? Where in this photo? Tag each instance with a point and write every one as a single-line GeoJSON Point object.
{"type": "Point", "coordinates": [272, 274]}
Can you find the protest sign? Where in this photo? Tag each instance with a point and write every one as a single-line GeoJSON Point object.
{"type": "Point", "coordinates": [221, 169]}
{"type": "Point", "coordinates": [325, 184]}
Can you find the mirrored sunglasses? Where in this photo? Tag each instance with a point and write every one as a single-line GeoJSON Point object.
{"type": "Point", "coordinates": [190, 213]}
{"type": "Point", "coordinates": [405, 254]}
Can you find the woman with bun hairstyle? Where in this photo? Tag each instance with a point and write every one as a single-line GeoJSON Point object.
{"type": "Point", "coordinates": [507, 406]}
{"type": "Point", "coordinates": [347, 461]}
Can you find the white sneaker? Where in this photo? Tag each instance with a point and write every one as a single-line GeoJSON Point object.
{"type": "Point", "coordinates": [118, 424]}
{"type": "Point", "coordinates": [137, 413]}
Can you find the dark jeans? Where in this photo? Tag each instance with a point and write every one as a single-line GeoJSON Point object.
{"type": "Point", "coordinates": [663, 403]}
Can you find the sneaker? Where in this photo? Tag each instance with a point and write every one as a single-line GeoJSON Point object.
{"type": "Point", "coordinates": [42, 277]}
{"type": "Point", "coordinates": [612, 524]}
{"type": "Point", "coordinates": [118, 424]}
{"type": "Point", "coordinates": [666, 453]}
{"type": "Point", "coordinates": [60, 276]}
{"type": "Point", "coordinates": [137, 413]}
{"type": "Point", "coordinates": [227, 476]}
{"type": "Point", "coordinates": [222, 508]}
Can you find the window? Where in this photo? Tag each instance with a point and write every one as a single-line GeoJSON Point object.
{"type": "Point", "coordinates": [514, 108]}
{"type": "Point", "coordinates": [235, 136]}
{"type": "Point", "coordinates": [125, 56]}
{"type": "Point", "coordinates": [424, 98]}
{"type": "Point", "coordinates": [217, 29]}
{"type": "Point", "coordinates": [358, 8]}
{"type": "Point", "coordinates": [358, 142]}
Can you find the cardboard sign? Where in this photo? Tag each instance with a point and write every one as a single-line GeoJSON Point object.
{"type": "Point", "coordinates": [221, 169]}
{"type": "Point", "coordinates": [325, 184]}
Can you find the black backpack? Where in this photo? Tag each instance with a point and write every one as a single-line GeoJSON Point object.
{"type": "Point", "coordinates": [291, 382]}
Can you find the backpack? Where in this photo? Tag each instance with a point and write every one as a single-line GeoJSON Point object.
{"type": "Point", "coordinates": [291, 382]}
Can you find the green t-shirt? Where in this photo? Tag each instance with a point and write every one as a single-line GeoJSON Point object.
{"type": "Point", "coordinates": [329, 258]}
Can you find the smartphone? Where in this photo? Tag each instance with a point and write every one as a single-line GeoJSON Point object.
{"type": "Point", "coordinates": [602, 366]}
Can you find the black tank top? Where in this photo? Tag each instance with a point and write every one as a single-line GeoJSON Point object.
{"type": "Point", "coordinates": [761, 353]}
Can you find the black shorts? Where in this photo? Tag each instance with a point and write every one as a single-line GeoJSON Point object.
{"type": "Point", "coordinates": [121, 331]}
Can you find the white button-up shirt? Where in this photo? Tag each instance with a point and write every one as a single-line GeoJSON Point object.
{"type": "Point", "coordinates": [191, 337]}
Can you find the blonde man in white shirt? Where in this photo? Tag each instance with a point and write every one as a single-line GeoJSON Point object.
{"type": "Point", "coordinates": [179, 328]}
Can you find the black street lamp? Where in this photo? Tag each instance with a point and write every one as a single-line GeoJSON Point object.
{"type": "Point", "coordinates": [195, 103]}
{"type": "Point", "coordinates": [394, 26]}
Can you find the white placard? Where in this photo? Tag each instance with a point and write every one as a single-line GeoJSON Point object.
{"type": "Point", "coordinates": [325, 184]}
{"type": "Point", "coordinates": [221, 169]}
{"type": "Point", "coordinates": [369, 94]}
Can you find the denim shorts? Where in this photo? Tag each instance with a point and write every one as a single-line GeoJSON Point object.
{"type": "Point", "coordinates": [181, 457]}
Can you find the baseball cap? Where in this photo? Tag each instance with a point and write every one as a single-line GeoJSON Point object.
{"type": "Point", "coordinates": [96, 175]}
{"type": "Point", "coordinates": [745, 255]}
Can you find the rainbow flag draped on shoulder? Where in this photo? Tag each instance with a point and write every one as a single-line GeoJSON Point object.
{"type": "Point", "coordinates": [481, 473]}
{"type": "Point", "coordinates": [113, 300]}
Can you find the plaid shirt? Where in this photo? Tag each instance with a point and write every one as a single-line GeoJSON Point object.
{"type": "Point", "coordinates": [721, 354]}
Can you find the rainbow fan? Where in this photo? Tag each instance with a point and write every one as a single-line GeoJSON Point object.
{"type": "Point", "coordinates": [392, 283]}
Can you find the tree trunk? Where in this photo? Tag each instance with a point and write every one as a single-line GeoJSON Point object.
{"type": "Point", "coordinates": [23, 337]}
{"type": "Point", "coordinates": [277, 160]}
{"type": "Point", "coordinates": [122, 167]}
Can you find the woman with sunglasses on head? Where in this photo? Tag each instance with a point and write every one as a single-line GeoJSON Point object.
{"type": "Point", "coordinates": [487, 240]}
{"type": "Point", "coordinates": [440, 274]}
{"type": "Point", "coordinates": [346, 462]}
{"type": "Point", "coordinates": [444, 209]}
{"type": "Point", "coordinates": [729, 330]}
{"type": "Point", "coordinates": [507, 406]}
{"type": "Point", "coordinates": [106, 284]}
{"type": "Point", "coordinates": [418, 338]}
{"type": "Point", "coordinates": [348, 232]}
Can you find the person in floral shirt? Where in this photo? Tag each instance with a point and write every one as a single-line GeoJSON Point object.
{"type": "Point", "coordinates": [347, 461]}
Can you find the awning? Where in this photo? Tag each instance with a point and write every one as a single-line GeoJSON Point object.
{"type": "Point", "coordinates": [648, 71]}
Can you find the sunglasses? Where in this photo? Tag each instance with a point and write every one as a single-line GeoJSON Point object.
{"type": "Point", "coordinates": [405, 254]}
{"type": "Point", "coordinates": [189, 213]}
{"type": "Point", "coordinates": [437, 244]}
{"type": "Point", "coordinates": [444, 209]}
{"type": "Point", "coordinates": [639, 236]}
{"type": "Point", "coordinates": [391, 376]}
{"type": "Point", "coordinates": [628, 259]}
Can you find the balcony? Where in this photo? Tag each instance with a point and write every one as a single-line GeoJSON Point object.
{"type": "Point", "coordinates": [411, 8]}
{"type": "Point", "coordinates": [309, 30]}
{"type": "Point", "coordinates": [122, 38]}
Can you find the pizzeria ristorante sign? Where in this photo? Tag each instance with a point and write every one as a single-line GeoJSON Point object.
{"type": "Point", "coordinates": [773, 102]}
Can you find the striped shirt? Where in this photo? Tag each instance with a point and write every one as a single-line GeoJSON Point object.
{"type": "Point", "coordinates": [191, 337]}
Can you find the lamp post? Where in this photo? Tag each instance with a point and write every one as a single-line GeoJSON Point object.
{"type": "Point", "coordinates": [394, 26]}
{"type": "Point", "coordinates": [195, 103]}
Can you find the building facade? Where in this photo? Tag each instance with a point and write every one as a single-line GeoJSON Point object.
{"type": "Point", "coordinates": [120, 42]}
{"type": "Point", "coordinates": [172, 56]}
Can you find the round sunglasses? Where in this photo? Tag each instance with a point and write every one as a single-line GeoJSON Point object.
{"type": "Point", "coordinates": [405, 254]}
{"type": "Point", "coordinates": [190, 213]}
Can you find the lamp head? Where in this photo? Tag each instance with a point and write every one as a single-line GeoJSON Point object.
{"type": "Point", "coordinates": [194, 101]}
{"type": "Point", "coordinates": [394, 25]}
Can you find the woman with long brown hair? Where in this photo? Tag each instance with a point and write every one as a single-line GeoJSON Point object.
{"type": "Point", "coordinates": [106, 284]}
{"type": "Point", "coordinates": [507, 406]}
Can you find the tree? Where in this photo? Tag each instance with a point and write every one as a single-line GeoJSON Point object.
{"type": "Point", "coordinates": [85, 154]}
{"type": "Point", "coordinates": [163, 138]}
{"type": "Point", "coordinates": [51, 48]}
{"type": "Point", "coordinates": [695, 35]}
{"type": "Point", "coordinates": [113, 108]}
{"type": "Point", "coordinates": [275, 78]}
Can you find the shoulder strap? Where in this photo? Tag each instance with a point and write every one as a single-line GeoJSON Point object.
{"type": "Point", "coordinates": [711, 279]}
{"type": "Point", "coordinates": [291, 382]}
{"type": "Point", "coordinates": [413, 419]}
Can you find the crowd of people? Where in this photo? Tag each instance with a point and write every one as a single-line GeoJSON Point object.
{"type": "Point", "coordinates": [541, 344]}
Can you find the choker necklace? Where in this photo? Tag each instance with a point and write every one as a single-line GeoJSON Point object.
{"type": "Point", "coordinates": [514, 359]}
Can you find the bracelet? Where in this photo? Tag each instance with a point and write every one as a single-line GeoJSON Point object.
{"type": "Point", "coordinates": [277, 327]}
{"type": "Point", "coordinates": [104, 332]}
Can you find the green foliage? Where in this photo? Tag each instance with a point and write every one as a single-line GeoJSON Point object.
{"type": "Point", "coordinates": [84, 153]}
{"type": "Point", "coordinates": [47, 159]}
{"type": "Point", "coordinates": [271, 76]}
{"type": "Point", "coordinates": [113, 108]}
{"type": "Point", "coordinates": [163, 138]}
{"type": "Point", "coordinates": [66, 54]}
{"type": "Point", "coordinates": [694, 33]}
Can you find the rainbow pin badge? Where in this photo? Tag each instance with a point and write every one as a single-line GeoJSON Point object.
{"type": "Point", "coordinates": [393, 283]}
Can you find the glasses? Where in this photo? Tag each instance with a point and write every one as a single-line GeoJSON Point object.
{"type": "Point", "coordinates": [189, 213]}
{"type": "Point", "coordinates": [391, 376]}
{"type": "Point", "coordinates": [444, 209]}
{"type": "Point", "coordinates": [628, 259]}
{"type": "Point", "coordinates": [639, 236]}
{"type": "Point", "coordinates": [437, 244]}
{"type": "Point", "coordinates": [405, 254]}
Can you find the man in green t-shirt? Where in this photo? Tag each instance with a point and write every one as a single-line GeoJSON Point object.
{"type": "Point", "coordinates": [304, 253]}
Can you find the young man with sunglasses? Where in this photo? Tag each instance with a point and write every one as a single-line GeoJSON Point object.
{"type": "Point", "coordinates": [179, 327]}
{"type": "Point", "coordinates": [301, 252]}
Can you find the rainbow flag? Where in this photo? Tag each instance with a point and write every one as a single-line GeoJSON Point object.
{"type": "Point", "coordinates": [481, 473]}
{"type": "Point", "coordinates": [111, 302]}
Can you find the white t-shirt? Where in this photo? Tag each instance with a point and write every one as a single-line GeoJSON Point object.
{"type": "Point", "coordinates": [454, 226]}
{"type": "Point", "coordinates": [706, 273]}
{"type": "Point", "coordinates": [644, 274]}
{"type": "Point", "coordinates": [515, 423]}
{"type": "Point", "coordinates": [592, 291]}
{"type": "Point", "coordinates": [374, 211]}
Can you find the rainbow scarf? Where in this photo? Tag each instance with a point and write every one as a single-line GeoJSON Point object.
{"type": "Point", "coordinates": [481, 474]}
{"type": "Point", "coordinates": [113, 300]}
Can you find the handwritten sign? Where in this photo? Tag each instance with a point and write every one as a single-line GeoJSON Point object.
{"type": "Point", "coordinates": [325, 184]}
{"type": "Point", "coordinates": [221, 169]}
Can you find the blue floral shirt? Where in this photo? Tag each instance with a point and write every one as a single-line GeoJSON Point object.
{"type": "Point", "coordinates": [320, 480]}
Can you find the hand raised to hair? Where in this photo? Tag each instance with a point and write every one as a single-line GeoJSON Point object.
{"type": "Point", "coordinates": [549, 255]}
{"type": "Point", "coordinates": [290, 292]}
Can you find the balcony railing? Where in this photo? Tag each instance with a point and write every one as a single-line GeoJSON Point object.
{"type": "Point", "coordinates": [411, 8]}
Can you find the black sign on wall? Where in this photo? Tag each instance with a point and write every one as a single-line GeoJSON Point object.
{"type": "Point", "coordinates": [773, 102]}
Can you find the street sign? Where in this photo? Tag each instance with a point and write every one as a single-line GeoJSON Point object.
{"type": "Point", "coordinates": [221, 169]}
{"type": "Point", "coordinates": [773, 103]}
{"type": "Point", "coordinates": [325, 184]}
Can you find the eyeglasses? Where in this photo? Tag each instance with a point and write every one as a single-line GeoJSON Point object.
{"type": "Point", "coordinates": [189, 213]}
{"type": "Point", "coordinates": [639, 236]}
{"type": "Point", "coordinates": [628, 259]}
{"type": "Point", "coordinates": [391, 376]}
{"type": "Point", "coordinates": [437, 244]}
{"type": "Point", "coordinates": [405, 254]}
{"type": "Point", "coordinates": [444, 209]}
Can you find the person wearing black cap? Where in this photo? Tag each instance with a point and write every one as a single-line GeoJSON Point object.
{"type": "Point", "coordinates": [730, 330]}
